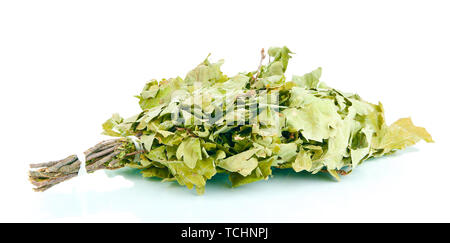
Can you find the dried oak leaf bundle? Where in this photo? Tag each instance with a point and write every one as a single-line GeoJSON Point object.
{"type": "Point", "coordinates": [207, 123]}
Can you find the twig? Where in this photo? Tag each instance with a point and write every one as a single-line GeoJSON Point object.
{"type": "Point", "coordinates": [102, 161]}
{"type": "Point", "coordinates": [98, 146]}
{"type": "Point", "coordinates": [187, 130]}
{"type": "Point", "coordinates": [40, 165]}
{"type": "Point", "coordinates": [135, 152]}
{"type": "Point", "coordinates": [52, 173]}
{"type": "Point", "coordinates": [66, 161]}
{"type": "Point", "coordinates": [101, 153]}
{"type": "Point", "coordinates": [52, 181]}
{"type": "Point", "coordinates": [57, 163]}
{"type": "Point", "coordinates": [263, 56]}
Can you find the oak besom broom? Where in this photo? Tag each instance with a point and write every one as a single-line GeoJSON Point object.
{"type": "Point", "coordinates": [207, 123]}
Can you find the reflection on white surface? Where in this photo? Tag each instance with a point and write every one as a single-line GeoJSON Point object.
{"type": "Point", "coordinates": [111, 195]}
{"type": "Point", "coordinates": [373, 192]}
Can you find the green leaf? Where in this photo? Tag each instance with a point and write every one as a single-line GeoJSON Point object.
{"type": "Point", "coordinates": [191, 151]}
{"type": "Point", "coordinates": [309, 80]}
{"type": "Point", "coordinates": [263, 171]}
{"type": "Point", "coordinates": [162, 173]}
{"type": "Point", "coordinates": [147, 140]}
{"type": "Point", "coordinates": [316, 121]}
{"type": "Point", "coordinates": [164, 94]}
{"type": "Point", "coordinates": [241, 163]}
{"type": "Point", "coordinates": [400, 134]}
{"type": "Point", "coordinates": [302, 161]}
{"type": "Point", "coordinates": [206, 73]}
{"type": "Point", "coordinates": [110, 125]}
{"type": "Point", "coordinates": [287, 152]}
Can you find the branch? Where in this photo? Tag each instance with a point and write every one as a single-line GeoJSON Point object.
{"type": "Point", "coordinates": [52, 173]}
{"type": "Point", "coordinates": [263, 56]}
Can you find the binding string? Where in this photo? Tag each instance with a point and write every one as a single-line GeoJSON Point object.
{"type": "Point", "coordinates": [82, 158]}
{"type": "Point", "coordinates": [137, 145]}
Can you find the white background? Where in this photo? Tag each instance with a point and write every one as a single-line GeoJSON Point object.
{"type": "Point", "coordinates": [66, 66]}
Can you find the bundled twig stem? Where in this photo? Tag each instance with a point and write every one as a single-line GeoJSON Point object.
{"type": "Point", "coordinates": [54, 172]}
{"type": "Point", "coordinates": [263, 56]}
